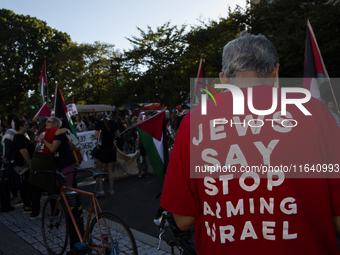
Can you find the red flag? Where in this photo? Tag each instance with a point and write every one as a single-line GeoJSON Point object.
{"type": "Point", "coordinates": [72, 101]}
{"type": "Point", "coordinates": [44, 111]}
{"type": "Point", "coordinates": [315, 72]}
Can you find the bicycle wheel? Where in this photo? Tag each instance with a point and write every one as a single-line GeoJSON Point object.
{"type": "Point", "coordinates": [114, 232]}
{"type": "Point", "coordinates": [54, 231]}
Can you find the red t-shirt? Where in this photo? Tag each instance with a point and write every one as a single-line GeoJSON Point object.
{"type": "Point", "coordinates": [49, 135]}
{"type": "Point", "coordinates": [257, 212]}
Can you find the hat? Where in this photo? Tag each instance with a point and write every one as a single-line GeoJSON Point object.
{"type": "Point", "coordinates": [174, 110]}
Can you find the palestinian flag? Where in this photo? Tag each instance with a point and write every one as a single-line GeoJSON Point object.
{"type": "Point", "coordinates": [44, 112]}
{"type": "Point", "coordinates": [315, 72]}
{"type": "Point", "coordinates": [60, 111]}
{"type": "Point", "coordinates": [42, 83]}
{"type": "Point", "coordinates": [154, 139]}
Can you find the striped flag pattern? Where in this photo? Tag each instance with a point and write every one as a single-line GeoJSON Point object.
{"type": "Point", "coordinates": [315, 72]}
{"type": "Point", "coordinates": [60, 111]}
{"type": "Point", "coordinates": [153, 138]}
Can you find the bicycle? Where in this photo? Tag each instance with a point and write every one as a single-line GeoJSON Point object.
{"type": "Point", "coordinates": [172, 235]}
{"type": "Point", "coordinates": [105, 234]}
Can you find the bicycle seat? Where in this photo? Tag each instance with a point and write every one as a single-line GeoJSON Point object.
{"type": "Point", "coordinates": [96, 174]}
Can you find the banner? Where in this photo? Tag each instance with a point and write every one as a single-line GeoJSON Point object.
{"type": "Point", "coordinates": [72, 109]}
{"type": "Point", "coordinates": [86, 144]}
{"type": "Point", "coordinates": [125, 165]}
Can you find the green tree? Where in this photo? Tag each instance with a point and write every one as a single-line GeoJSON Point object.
{"type": "Point", "coordinates": [284, 22]}
{"type": "Point", "coordinates": [24, 43]}
{"type": "Point", "coordinates": [88, 64]}
{"type": "Point", "coordinates": [208, 40]}
{"type": "Point", "coordinates": [160, 66]}
{"type": "Point", "coordinates": [153, 69]}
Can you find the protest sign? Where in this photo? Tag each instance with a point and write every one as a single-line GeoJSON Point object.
{"type": "Point", "coordinates": [72, 109]}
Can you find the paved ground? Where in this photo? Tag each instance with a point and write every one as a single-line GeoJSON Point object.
{"type": "Point", "coordinates": [135, 201]}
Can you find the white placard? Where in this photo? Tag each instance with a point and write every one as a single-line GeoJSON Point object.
{"type": "Point", "coordinates": [72, 109]}
{"type": "Point", "coordinates": [125, 165]}
{"type": "Point", "coordinates": [86, 144]}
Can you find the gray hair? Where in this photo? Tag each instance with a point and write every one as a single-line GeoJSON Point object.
{"type": "Point", "coordinates": [249, 52]}
{"type": "Point", "coordinates": [56, 121]}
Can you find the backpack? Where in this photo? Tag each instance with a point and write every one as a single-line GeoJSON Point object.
{"type": "Point", "coordinates": [75, 147]}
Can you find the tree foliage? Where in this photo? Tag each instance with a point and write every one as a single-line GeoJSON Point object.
{"type": "Point", "coordinates": [153, 69]}
{"type": "Point", "coordinates": [85, 73]}
{"type": "Point", "coordinates": [208, 40]}
{"type": "Point", "coordinates": [24, 43]}
{"type": "Point", "coordinates": [162, 61]}
{"type": "Point", "coordinates": [160, 66]}
{"type": "Point", "coordinates": [284, 22]}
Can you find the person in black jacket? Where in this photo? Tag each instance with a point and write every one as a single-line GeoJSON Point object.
{"type": "Point", "coordinates": [8, 151]}
{"type": "Point", "coordinates": [23, 149]}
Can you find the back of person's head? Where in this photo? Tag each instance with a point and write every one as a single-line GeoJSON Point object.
{"type": "Point", "coordinates": [120, 114]}
{"type": "Point", "coordinates": [56, 121]}
{"type": "Point", "coordinates": [19, 123]}
{"type": "Point", "coordinates": [10, 117]}
{"type": "Point", "coordinates": [249, 52]}
{"type": "Point", "coordinates": [91, 119]}
{"type": "Point", "coordinates": [105, 119]}
{"type": "Point", "coordinates": [32, 124]}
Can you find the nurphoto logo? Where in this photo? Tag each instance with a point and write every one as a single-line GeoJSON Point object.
{"type": "Point", "coordinates": [238, 100]}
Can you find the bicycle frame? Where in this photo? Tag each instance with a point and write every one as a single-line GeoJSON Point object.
{"type": "Point", "coordinates": [94, 203]}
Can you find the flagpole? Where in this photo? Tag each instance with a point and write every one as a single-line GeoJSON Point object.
{"type": "Point", "coordinates": [46, 84]}
{"type": "Point", "coordinates": [141, 121]}
{"type": "Point", "coordinates": [194, 96]}
{"type": "Point", "coordinates": [336, 103]}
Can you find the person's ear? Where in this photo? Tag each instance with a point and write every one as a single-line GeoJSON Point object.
{"type": "Point", "coordinates": [275, 73]}
{"type": "Point", "coordinates": [223, 78]}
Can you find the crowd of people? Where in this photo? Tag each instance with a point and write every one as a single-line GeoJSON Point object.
{"type": "Point", "coordinates": [36, 146]}
{"type": "Point", "coordinates": [29, 150]}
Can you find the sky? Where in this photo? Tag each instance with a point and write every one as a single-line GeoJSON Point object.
{"type": "Point", "coordinates": [112, 21]}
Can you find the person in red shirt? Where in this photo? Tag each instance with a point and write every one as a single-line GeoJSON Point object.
{"type": "Point", "coordinates": [43, 160]}
{"type": "Point", "coordinates": [213, 184]}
